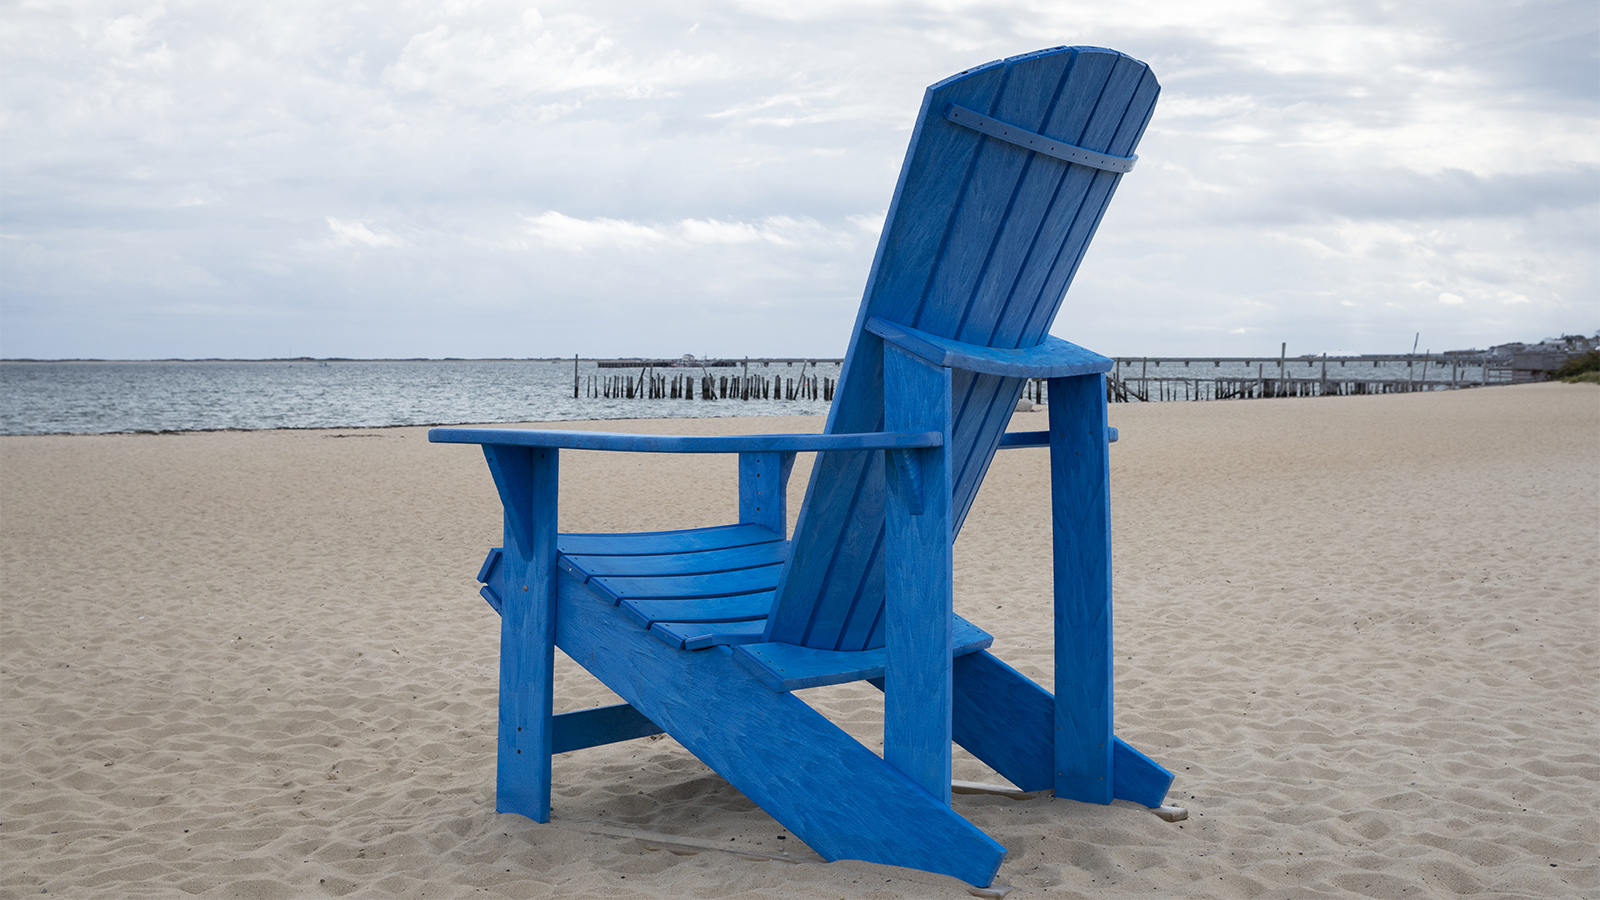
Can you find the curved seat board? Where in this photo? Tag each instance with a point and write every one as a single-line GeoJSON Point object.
{"type": "Point", "coordinates": [697, 562]}
{"type": "Point", "coordinates": [687, 587]}
{"type": "Point", "coordinates": [644, 543]}
{"type": "Point", "coordinates": [737, 608]}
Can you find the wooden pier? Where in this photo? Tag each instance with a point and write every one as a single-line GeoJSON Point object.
{"type": "Point", "coordinates": [1132, 379]}
{"type": "Point", "coordinates": [764, 362]}
{"type": "Point", "coordinates": [1335, 376]}
{"type": "Point", "coordinates": [651, 385]}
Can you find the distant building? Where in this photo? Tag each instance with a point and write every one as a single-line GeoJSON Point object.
{"type": "Point", "coordinates": [1535, 362]}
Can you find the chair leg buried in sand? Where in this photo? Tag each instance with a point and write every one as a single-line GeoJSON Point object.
{"type": "Point", "coordinates": [705, 633]}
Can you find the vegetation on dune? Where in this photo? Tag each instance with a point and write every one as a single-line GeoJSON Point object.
{"type": "Point", "coordinates": [1585, 368]}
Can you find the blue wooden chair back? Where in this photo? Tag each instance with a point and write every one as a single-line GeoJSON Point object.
{"type": "Point", "coordinates": [982, 240]}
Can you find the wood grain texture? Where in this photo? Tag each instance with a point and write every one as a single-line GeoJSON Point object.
{"type": "Point", "coordinates": [585, 728]}
{"type": "Point", "coordinates": [763, 489]}
{"type": "Point", "coordinates": [527, 478]}
{"type": "Point", "coordinates": [1136, 777]}
{"type": "Point", "coordinates": [664, 587]}
{"type": "Point", "coordinates": [700, 635]}
{"type": "Point", "coordinates": [817, 781]}
{"type": "Point", "coordinates": [1051, 358]}
{"type": "Point", "coordinates": [739, 608]}
{"type": "Point", "coordinates": [1081, 546]}
{"type": "Point", "coordinates": [918, 605]}
{"type": "Point", "coordinates": [1006, 720]}
{"type": "Point", "coordinates": [980, 245]}
{"type": "Point", "coordinates": [1040, 438]}
{"type": "Point", "coordinates": [720, 537]}
{"type": "Point", "coordinates": [789, 667]}
{"type": "Point", "coordinates": [1037, 142]}
{"type": "Point", "coordinates": [689, 562]}
{"type": "Point", "coordinates": [677, 443]}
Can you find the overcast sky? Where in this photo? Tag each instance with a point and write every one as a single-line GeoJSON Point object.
{"type": "Point", "coordinates": [640, 178]}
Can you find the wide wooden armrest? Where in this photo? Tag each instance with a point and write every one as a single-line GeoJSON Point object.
{"type": "Point", "coordinates": [1052, 358]}
{"type": "Point", "coordinates": [679, 443]}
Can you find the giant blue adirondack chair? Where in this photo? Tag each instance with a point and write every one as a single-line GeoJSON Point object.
{"type": "Point", "coordinates": [706, 632]}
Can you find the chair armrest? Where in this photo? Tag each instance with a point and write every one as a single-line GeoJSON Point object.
{"type": "Point", "coordinates": [1040, 438]}
{"type": "Point", "coordinates": [1053, 358]}
{"type": "Point", "coordinates": [677, 443]}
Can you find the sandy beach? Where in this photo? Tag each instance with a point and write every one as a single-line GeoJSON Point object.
{"type": "Point", "coordinates": [1363, 631]}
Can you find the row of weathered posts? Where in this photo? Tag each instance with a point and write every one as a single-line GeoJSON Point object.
{"type": "Point", "coordinates": [655, 386]}
{"type": "Point", "coordinates": [1124, 385]}
{"type": "Point", "coordinates": [1130, 380]}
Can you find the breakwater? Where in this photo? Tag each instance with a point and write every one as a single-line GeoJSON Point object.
{"type": "Point", "coordinates": [1165, 379]}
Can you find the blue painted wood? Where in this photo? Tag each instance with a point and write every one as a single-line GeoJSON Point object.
{"type": "Point", "coordinates": [817, 781]}
{"type": "Point", "coordinates": [1052, 358]}
{"type": "Point", "coordinates": [667, 587]}
{"type": "Point", "coordinates": [1038, 143]}
{"type": "Point", "coordinates": [1137, 777]}
{"type": "Point", "coordinates": [489, 563]}
{"type": "Point", "coordinates": [677, 443]}
{"type": "Point", "coordinates": [585, 728]}
{"type": "Point", "coordinates": [904, 471]}
{"type": "Point", "coordinates": [527, 480]}
{"type": "Point", "coordinates": [740, 608]}
{"type": "Point", "coordinates": [980, 245]}
{"type": "Point", "coordinates": [789, 667]}
{"type": "Point", "coordinates": [700, 635]}
{"type": "Point", "coordinates": [1025, 439]}
{"type": "Point", "coordinates": [698, 562]}
{"type": "Point", "coordinates": [1040, 438]}
{"type": "Point", "coordinates": [763, 489]}
{"type": "Point", "coordinates": [1135, 90]}
{"type": "Point", "coordinates": [1006, 720]}
{"type": "Point", "coordinates": [982, 240]}
{"type": "Point", "coordinates": [985, 405]}
{"type": "Point", "coordinates": [648, 543]}
{"type": "Point", "coordinates": [1081, 546]}
{"type": "Point", "coordinates": [918, 612]}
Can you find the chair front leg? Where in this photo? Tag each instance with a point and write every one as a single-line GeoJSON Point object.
{"type": "Point", "coordinates": [1080, 499]}
{"type": "Point", "coordinates": [918, 612]}
{"type": "Point", "coordinates": [527, 479]}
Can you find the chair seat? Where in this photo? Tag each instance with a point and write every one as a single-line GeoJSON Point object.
{"type": "Point", "coordinates": [702, 587]}
{"type": "Point", "coordinates": [692, 589]}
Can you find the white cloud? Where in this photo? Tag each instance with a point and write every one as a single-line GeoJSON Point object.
{"type": "Point", "coordinates": [500, 58]}
{"type": "Point", "coordinates": [1314, 172]}
{"type": "Point", "coordinates": [587, 234]}
{"type": "Point", "coordinates": [1450, 299]}
{"type": "Point", "coordinates": [583, 235]}
{"type": "Point", "coordinates": [357, 234]}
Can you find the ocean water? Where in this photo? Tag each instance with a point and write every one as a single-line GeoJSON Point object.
{"type": "Point", "coordinates": [103, 397]}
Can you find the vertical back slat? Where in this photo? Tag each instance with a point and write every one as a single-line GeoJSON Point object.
{"type": "Point", "coordinates": [982, 239]}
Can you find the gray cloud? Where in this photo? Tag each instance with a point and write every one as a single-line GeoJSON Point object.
{"type": "Point", "coordinates": [477, 179]}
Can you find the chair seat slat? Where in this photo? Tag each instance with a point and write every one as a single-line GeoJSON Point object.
{"type": "Point", "coordinates": [658, 542]}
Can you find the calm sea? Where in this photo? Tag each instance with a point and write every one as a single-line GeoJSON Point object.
{"type": "Point", "coordinates": [100, 397]}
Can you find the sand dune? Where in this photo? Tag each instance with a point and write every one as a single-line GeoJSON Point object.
{"type": "Point", "coordinates": [1362, 631]}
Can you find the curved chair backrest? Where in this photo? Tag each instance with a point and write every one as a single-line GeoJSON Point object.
{"type": "Point", "coordinates": [982, 240]}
